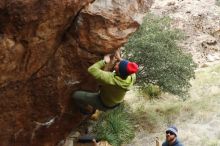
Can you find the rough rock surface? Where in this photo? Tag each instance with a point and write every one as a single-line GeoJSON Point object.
{"type": "Point", "coordinates": [200, 22]}
{"type": "Point", "coordinates": [45, 50]}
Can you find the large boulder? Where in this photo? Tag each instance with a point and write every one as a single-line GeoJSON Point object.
{"type": "Point", "coordinates": [45, 50]}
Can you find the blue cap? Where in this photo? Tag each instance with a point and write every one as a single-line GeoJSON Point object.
{"type": "Point", "coordinates": [123, 68]}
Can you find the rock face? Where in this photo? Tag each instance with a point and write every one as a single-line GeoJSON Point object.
{"type": "Point", "coordinates": [199, 20]}
{"type": "Point", "coordinates": [45, 50]}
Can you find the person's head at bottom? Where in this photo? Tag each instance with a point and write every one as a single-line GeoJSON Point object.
{"type": "Point", "coordinates": [171, 134]}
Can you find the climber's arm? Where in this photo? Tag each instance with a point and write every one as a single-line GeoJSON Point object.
{"type": "Point", "coordinates": [102, 76]}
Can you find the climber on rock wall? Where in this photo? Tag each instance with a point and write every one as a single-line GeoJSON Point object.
{"type": "Point", "coordinates": [113, 85]}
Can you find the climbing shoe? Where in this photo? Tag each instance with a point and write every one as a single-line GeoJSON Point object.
{"type": "Point", "coordinates": [87, 111]}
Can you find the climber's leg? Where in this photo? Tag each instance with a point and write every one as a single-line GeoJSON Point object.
{"type": "Point", "coordinates": [83, 99]}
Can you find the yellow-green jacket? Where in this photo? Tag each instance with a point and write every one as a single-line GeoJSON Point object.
{"type": "Point", "coordinates": [113, 88]}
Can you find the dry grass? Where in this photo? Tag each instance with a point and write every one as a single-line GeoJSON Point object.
{"type": "Point", "coordinates": [199, 116]}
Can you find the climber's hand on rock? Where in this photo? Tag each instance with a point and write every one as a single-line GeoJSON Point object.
{"type": "Point", "coordinates": [117, 56]}
{"type": "Point", "coordinates": [107, 58]}
{"type": "Point", "coordinates": [94, 142]}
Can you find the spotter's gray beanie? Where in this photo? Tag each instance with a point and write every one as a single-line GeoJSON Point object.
{"type": "Point", "coordinates": [173, 129]}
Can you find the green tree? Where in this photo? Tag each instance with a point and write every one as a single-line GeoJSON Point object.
{"type": "Point", "coordinates": [162, 62]}
{"type": "Point", "coordinates": [115, 126]}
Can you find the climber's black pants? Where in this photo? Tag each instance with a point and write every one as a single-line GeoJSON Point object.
{"type": "Point", "coordinates": [83, 98]}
